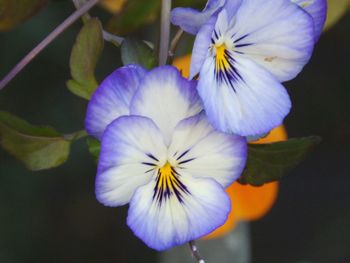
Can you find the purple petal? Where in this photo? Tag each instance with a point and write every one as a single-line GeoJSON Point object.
{"type": "Point", "coordinates": [318, 10]}
{"type": "Point", "coordinates": [190, 20]}
{"type": "Point", "coordinates": [112, 98]}
{"type": "Point", "coordinates": [201, 46]}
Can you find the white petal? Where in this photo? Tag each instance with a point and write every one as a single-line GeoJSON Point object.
{"type": "Point", "coordinates": [166, 98]}
{"type": "Point", "coordinates": [171, 223]}
{"type": "Point", "coordinates": [252, 102]}
{"type": "Point", "coordinates": [204, 152]}
{"type": "Point", "coordinates": [132, 148]}
{"type": "Point", "coordinates": [276, 34]}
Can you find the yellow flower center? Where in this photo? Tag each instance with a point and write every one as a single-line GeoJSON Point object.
{"type": "Point", "coordinates": [166, 176]}
{"type": "Point", "coordinates": [221, 60]}
{"type": "Point", "coordinates": [168, 183]}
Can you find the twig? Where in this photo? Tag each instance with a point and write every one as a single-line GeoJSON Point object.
{"type": "Point", "coordinates": [164, 32]}
{"type": "Point", "coordinates": [32, 54]}
{"type": "Point", "coordinates": [195, 252]}
{"type": "Point", "coordinates": [79, 3]}
{"type": "Point", "coordinates": [175, 42]}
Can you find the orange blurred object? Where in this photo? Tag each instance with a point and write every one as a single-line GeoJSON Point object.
{"type": "Point", "coordinates": [277, 134]}
{"type": "Point", "coordinates": [113, 6]}
{"type": "Point", "coordinates": [248, 202]}
{"type": "Point", "coordinates": [183, 64]}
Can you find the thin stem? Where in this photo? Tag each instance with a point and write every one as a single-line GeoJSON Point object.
{"type": "Point", "coordinates": [164, 32]}
{"type": "Point", "coordinates": [116, 40]}
{"type": "Point", "coordinates": [58, 30]}
{"type": "Point", "coordinates": [76, 135]}
{"type": "Point", "coordinates": [195, 252]}
{"type": "Point", "coordinates": [175, 42]}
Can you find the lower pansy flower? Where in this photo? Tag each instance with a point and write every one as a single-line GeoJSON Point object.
{"type": "Point", "coordinates": [167, 162]}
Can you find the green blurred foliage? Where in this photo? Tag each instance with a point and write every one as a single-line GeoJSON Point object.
{"type": "Point", "coordinates": [38, 147]}
{"type": "Point", "coordinates": [94, 146]}
{"type": "Point", "coordinates": [135, 51]}
{"type": "Point", "coordinates": [14, 12]}
{"type": "Point", "coordinates": [198, 4]}
{"type": "Point", "coordinates": [272, 161]}
{"type": "Point", "coordinates": [135, 14]}
{"type": "Point", "coordinates": [86, 51]}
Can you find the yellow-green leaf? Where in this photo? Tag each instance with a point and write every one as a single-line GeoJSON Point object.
{"type": "Point", "coordinates": [270, 162]}
{"type": "Point", "coordinates": [336, 10]}
{"type": "Point", "coordinates": [14, 12]}
{"type": "Point", "coordinates": [85, 54]}
{"type": "Point", "coordinates": [38, 147]}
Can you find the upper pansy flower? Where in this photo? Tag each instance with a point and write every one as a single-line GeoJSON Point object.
{"type": "Point", "coordinates": [243, 58]}
{"type": "Point", "coordinates": [318, 10]}
{"type": "Point", "coordinates": [170, 167]}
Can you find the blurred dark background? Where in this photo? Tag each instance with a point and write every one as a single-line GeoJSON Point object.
{"type": "Point", "coordinates": [53, 216]}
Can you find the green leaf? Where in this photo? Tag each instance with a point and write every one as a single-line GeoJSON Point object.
{"type": "Point", "coordinates": [94, 147]}
{"type": "Point", "coordinates": [38, 147]}
{"type": "Point", "coordinates": [336, 10]}
{"type": "Point", "coordinates": [135, 51]}
{"type": "Point", "coordinates": [14, 12]}
{"type": "Point", "coordinates": [135, 14]}
{"type": "Point", "coordinates": [270, 162]}
{"type": "Point", "coordinates": [85, 54]}
{"type": "Point", "coordinates": [81, 90]}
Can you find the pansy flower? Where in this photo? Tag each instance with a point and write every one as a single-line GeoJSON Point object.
{"type": "Point", "coordinates": [162, 157]}
{"type": "Point", "coordinates": [242, 58]}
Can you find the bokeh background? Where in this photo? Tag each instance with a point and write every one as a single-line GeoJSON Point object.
{"type": "Point", "coordinates": [53, 216]}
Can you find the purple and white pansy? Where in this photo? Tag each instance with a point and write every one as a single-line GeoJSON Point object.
{"type": "Point", "coordinates": [160, 155]}
{"type": "Point", "coordinates": [242, 58]}
{"type": "Point", "coordinates": [165, 156]}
